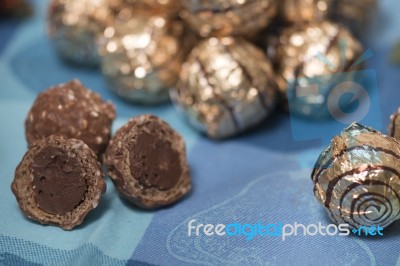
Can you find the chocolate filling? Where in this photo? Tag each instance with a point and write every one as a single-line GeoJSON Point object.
{"type": "Point", "coordinates": [58, 179]}
{"type": "Point", "coordinates": [154, 163]}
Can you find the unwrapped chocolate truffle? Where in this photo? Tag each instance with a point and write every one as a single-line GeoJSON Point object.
{"type": "Point", "coordinates": [357, 178]}
{"type": "Point", "coordinates": [226, 86]}
{"type": "Point", "coordinates": [299, 11]}
{"type": "Point", "coordinates": [228, 17]}
{"type": "Point", "coordinates": [146, 160]}
{"type": "Point", "coordinates": [75, 25]}
{"type": "Point", "coordinates": [71, 110]}
{"type": "Point", "coordinates": [313, 59]}
{"type": "Point", "coordinates": [142, 56]}
{"type": "Point", "coordinates": [58, 182]}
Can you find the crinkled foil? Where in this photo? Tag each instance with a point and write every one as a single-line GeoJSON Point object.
{"type": "Point", "coordinates": [228, 17]}
{"type": "Point", "coordinates": [357, 178]}
{"type": "Point", "coordinates": [75, 25]}
{"type": "Point", "coordinates": [141, 56]}
{"type": "Point", "coordinates": [226, 86]}
{"type": "Point", "coordinates": [166, 7]}
{"type": "Point", "coordinates": [309, 53]}
{"type": "Point", "coordinates": [394, 125]}
{"type": "Point", "coordinates": [355, 14]}
{"type": "Point", "coordinates": [299, 11]}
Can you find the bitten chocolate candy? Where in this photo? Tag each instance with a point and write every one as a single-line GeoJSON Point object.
{"type": "Point", "coordinates": [228, 17]}
{"type": "Point", "coordinates": [73, 111]}
{"type": "Point", "coordinates": [226, 86]}
{"type": "Point", "coordinates": [146, 160]}
{"type": "Point", "coordinates": [58, 181]}
{"type": "Point", "coordinates": [357, 178]}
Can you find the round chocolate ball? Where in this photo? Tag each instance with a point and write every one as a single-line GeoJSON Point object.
{"type": "Point", "coordinates": [226, 86]}
{"type": "Point", "coordinates": [228, 17]}
{"type": "Point", "coordinates": [146, 160]}
{"type": "Point", "coordinates": [75, 25]}
{"type": "Point", "coordinates": [141, 56]}
{"type": "Point", "coordinates": [314, 58]}
{"type": "Point", "coordinates": [58, 181]}
{"type": "Point", "coordinates": [71, 110]}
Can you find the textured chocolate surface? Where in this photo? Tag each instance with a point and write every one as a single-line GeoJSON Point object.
{"type": "Point", "coordinates": [154, 162]}
{"type": "Point", "coordinates": [147, 162]}
{"type": "Point", "coordinates": [73, 111]}
{"type": "Point", "coordinates": [58, 180]}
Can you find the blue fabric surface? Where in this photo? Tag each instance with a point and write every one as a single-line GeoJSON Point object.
{"type": "Point", "coordinates": [261, 175]}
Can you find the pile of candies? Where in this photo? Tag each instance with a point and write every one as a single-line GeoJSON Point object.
{"type": "Point", "coordinates": [225, 64]}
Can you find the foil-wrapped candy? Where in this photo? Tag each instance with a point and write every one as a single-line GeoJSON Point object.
{"type": "Point", "coordinates": [225, 86]}
{"type": "Point", "coordinates": [313, 58]}
{"type": "Point", "coordinates": [394, 125]}
{"type": "Point", "coordinates": [355, 14]}
{"type": "Point", "coordinates": [299, 11]}
{"type": "Point", "coordinates": [152, 7]}
{"type": "Point", "coordinates": [228, 17]}
{"type": "Point", "coordinates": [75, 25]}
{"type": "Point", "coordinates": [357, 178]}
{"type": "Point", "coordinates": [141, 56]}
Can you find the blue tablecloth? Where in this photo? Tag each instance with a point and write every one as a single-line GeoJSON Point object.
{"type": "Point", "coordinates": [263, 175]}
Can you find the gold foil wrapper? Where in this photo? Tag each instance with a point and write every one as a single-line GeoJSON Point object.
{"type": "Point", "coordinates": [299, 11]}
{"type": "Point", "coordinates": [357, 178]}
{"type": "Point", "coordinates": [152, 7]}
{"type": "Point", "coordinates": [141, 56]}
{"type": "Point", "coordinates": [75, 25]}
{"type": "Point", "coordinates": [228, 17]}
{"type": "Point", "coordinates": [355, 14]}
{"type": "Point", "coordinates": [226, 86]}
{"type": "Point", "coordinates": [394, 125]}
{"type": "Point", "coordinates": [313, 51]}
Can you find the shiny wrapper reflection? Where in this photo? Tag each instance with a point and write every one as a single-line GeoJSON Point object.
{"type": "Point", "coordinates": [298, 11]}
{"type": "Point", "coordinates": [312, 55]}
{"type": "Point", "coordinates": [152, 7]}
{"type": "Point", "coordinates": [355, 14]}
{"type": "Point", "coordinates": [226, 86]}
{"type": "Point", "coordinates": [75, 25]}
{"type": "Point", "coordinates": [228, 17]}
{"type": "Point", "coordinates": [141, 56]}
{"type": "Point", "coordinates": [394, 125]}
{"type": "Point", "coordinates": [357, 178]}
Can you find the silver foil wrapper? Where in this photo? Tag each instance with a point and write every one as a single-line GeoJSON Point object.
{"type": "Point", "coordinates": [228, 17]}
{"type": "Point", "coordinates": [141, 56]}
{"type": "Point", "coordinates": [312, 59]}
{"type": "Point", "coordinates": [75, 25]}
{"type": "Point", "coordinates": [300, 11]}
{"type": "Point", "coordinates": [225, 86]}
{"type": "Point", "coordinates": [357, 178]}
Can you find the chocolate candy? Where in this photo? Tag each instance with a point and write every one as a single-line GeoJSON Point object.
{"type": "Point", "coordinates": [75, 25]}
{"type": "Point", "coordinates": [311, 57]}
{"type": "Point", "coordinates": [226, 86]}
{"type": "Point", "coordinates": [299, 11]}
{"type": "Point", "coordinates": [58, 181]}
{"type": "Point", "coordinates": [142, 56]}
{"type": "Point", "coordinates": [147, 162]}
{"type": "Point", "coordinates": [228, 17]}
{"type": "Point", "coordinates": [73, 111]}
{"type": "Point", "coordinates": [357, 178]}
